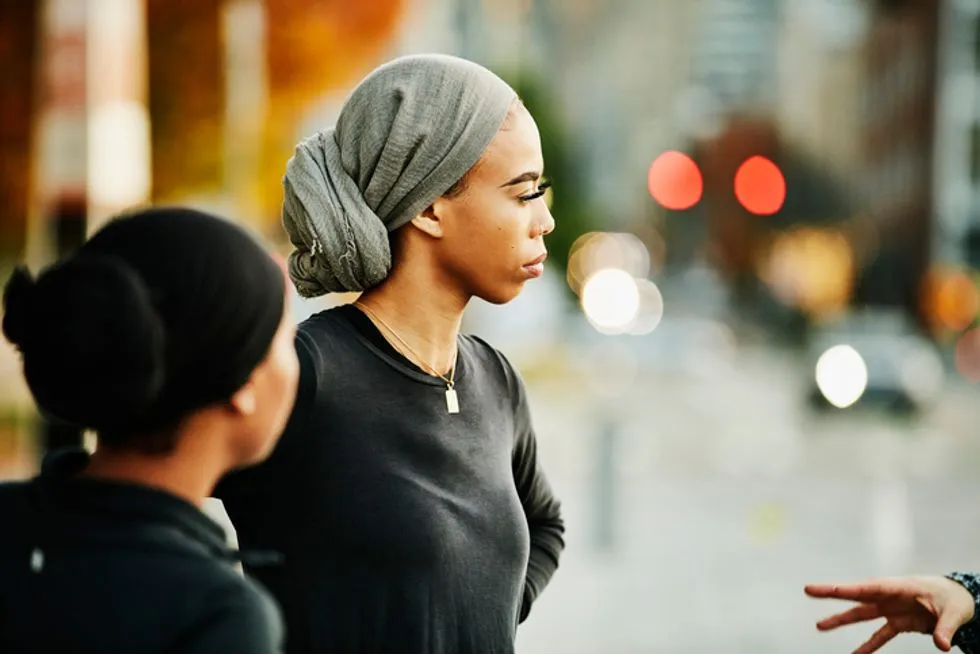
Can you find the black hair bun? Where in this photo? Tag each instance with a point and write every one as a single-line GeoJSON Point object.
{"type": "Point", "coordinates": [92, 341]}
{"type": "Point", "coordinates": [17, 306]}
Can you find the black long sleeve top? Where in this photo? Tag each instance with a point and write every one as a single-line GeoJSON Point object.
{"type": "Point", "coordinates": [403, 528]}
{"type": "Point", "coordinates": [97, 566]}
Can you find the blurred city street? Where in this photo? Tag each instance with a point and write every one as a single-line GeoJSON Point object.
{"type": "Point", "coordinates": [742, 190]}
{"type": "Point", "coordinates": [729, 497]}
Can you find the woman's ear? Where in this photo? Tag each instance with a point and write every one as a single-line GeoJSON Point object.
{"type": "Point", "coordinates": [244, 400]}
{"type": "Point", "coordinates": [429, 220]}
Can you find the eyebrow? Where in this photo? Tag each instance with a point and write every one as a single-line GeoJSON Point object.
{"type": "Point", "coordinates": [529, 176]}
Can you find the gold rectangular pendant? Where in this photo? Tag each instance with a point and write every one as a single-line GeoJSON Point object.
{"type": "Point", "coordinates": [452, 400]}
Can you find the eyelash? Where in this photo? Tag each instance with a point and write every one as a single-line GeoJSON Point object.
{"type": "Point", "coordinates": [542, 187]}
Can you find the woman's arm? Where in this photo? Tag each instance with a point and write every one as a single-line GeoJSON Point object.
{"type": "Point", "coordinates": [541, 507]}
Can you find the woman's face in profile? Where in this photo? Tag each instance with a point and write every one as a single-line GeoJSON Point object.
{"type": "Point", "coordinates": [272, 387]}
{"type": "Point", "coordinates": [493, 232]}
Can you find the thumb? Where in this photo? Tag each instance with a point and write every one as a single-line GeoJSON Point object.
{"type": "Point", "coordinates": [946, 626]}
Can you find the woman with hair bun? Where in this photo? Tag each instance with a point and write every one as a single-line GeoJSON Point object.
{"type": "Point", "coordinates": [407, 495]}
{"type": "Point", "coordinates": [167, 333]}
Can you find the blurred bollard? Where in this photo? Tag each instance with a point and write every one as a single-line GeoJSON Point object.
{"type": "Point", "coordinates": [611, 369]}
{"type": "Point", "coordinates": [606, 444]}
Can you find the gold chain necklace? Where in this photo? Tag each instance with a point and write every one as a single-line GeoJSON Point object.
{"type": "Point", "coordinates": [452, 399]}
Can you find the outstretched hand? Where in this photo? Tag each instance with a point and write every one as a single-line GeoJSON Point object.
{"type": "Point", "coordinates": [935, 605]}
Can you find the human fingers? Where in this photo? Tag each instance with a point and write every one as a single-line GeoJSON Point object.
{"type": "Point", "coordinates": [878, 639]}
{"type": "Point", "coordinates": [869, 590]}
{"type": "Point", "coordinates": [861, 613]}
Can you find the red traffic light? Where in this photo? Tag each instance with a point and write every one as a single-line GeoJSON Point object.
{"type": "Point", "coordinates": [760, 186]}
{"type": "Point", "coordinates": [674, 180]}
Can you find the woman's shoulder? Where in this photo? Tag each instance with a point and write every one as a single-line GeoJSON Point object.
{"type": "Point", "coordinates": [240, 593]}
{"type": "Point", "coordinates": [492, 359]}
{"type": "Point", "coordinates": [324, 334]}
{"type": "Point", "coordinates": [231, 614]}
{"type": "Point", "coordinates": [219, 591]}
{"type": "Point", "coordinates": [479, 347]}
{"type": "Point", "coordinates": [326, 342]}
{"type": "Point", "coordinates": [328, 323]}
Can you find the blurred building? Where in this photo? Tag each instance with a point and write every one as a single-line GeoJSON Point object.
{"type": "Point", "coordinates": [821, 70]}
{"type": "Point", "coordinates": [898, 128]}
{"type": "Point", "coordinates": [735, 52]}
{"type": "Point", "coordinates": [619, 71]}
{"type": "Point", "coordinates": [849, 119]}
{"type": "Point", "coordinates": [957, 148]}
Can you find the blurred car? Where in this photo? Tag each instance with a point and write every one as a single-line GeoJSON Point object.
{"type": "Point", "coordinates": [873, 358]}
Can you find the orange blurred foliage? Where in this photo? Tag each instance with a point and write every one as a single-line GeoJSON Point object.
{"type": "Point", "coordinates": [18, 48]}
{"type": "Point", "coordinates": [186, 96]}
{"type": "Point", "coordinates": [314, 46]}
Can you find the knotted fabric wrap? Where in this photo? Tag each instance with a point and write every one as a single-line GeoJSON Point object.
{"type": "Point", "coordinates": [407, 133]}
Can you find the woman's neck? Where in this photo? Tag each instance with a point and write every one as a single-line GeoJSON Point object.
{"type": "Point", "coordinates": [162, 473]}
{"type": "Point", "coordinates": [418, 313]}
{"type": "Point", "coordinates": [188, 472]}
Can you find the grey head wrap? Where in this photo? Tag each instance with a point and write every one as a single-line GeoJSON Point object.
{"type": "Point", "coordinates": [406, 134]}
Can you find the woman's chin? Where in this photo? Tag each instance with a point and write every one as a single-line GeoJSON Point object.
{"type": "Point", "coordinates": [503, 293]}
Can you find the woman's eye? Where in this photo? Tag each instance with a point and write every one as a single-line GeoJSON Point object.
{"type": "Point", "coordinates": [542, 187]}
{"type": "Point", "coordinates": [532, 196]}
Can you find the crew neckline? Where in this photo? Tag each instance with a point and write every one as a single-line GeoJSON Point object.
{"type": "Point", "coordinates": [371, 337]}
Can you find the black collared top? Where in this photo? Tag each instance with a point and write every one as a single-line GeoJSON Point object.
{"type": "Point", "coordinates": [93, 566]}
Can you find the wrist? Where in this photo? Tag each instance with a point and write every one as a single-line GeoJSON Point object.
{"type": "Point", "coordinates": [971, 584]}
{"type": "Point", "coordinates": [969, 631]}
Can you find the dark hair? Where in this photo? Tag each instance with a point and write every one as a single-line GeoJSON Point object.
{"type": "Point", "coordinates": [101, 339]}
{"type": "Point", "coordinates": [457, 189]}
{"type": "Point", "coordinates": [160, 313]}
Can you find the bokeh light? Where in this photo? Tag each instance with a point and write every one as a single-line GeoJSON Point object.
{"type": "Point", "coordinates": [675, 181]}
{"type": "Point", "coordinates": [600, 250]}
{"type": "Point", "coordinates": [811, 270]}
{"type": "Point", "coordinates": [957, 301]}
{"type": "Point", "coordinates": [611, 300]}
{"type": "Point", "coordinates": [651, 309]}
{"type": "Point", "coordinates": [760, 186]}
{"type": "Point", "coordinates": [654, 244]}
{"type": "Point", "coordinates": [841, 375]}
{"type": "Point", "coordinates": [967, 355]}
{"type": "Point", "coordinates": [119, 156]}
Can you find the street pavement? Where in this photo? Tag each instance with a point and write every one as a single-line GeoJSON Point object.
{"type": "Point", "coordinates": [722, 495]}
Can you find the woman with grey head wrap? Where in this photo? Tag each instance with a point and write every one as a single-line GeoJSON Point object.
{"type": "Point", "coordinates": [406, 494]}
